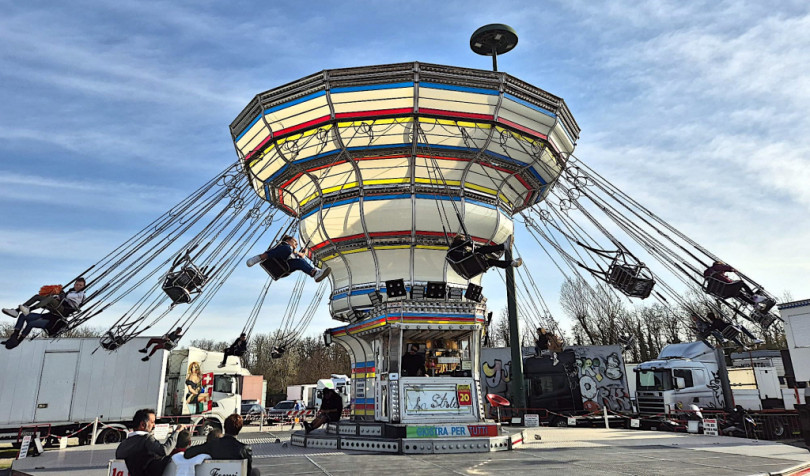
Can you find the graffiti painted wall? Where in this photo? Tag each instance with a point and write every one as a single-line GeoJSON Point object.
{"type": "Point", "coordinates": [602, 377]}
{"type": "Point", "coordinates": [599, 371]}
{"type": "Point", "coordinates": [496, 371]}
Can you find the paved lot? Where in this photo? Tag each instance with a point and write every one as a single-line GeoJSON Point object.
{"type": "Point", "coordinates": [560, 451]}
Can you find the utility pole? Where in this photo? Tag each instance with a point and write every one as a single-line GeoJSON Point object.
{"type": "Point", "coordinates": [516, 369]}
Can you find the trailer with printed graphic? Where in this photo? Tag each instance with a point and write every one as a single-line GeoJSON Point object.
{"type": "Point", "coordinates": [72, 387]}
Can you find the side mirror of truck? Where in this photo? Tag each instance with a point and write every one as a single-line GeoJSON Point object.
{"type": "Point", "coordinates": [680, 383]}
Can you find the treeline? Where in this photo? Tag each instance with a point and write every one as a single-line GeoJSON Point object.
{"type": "Point", "coordinates": [601, 316]}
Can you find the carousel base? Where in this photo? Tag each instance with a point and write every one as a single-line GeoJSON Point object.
{"type": "Point", "coordinates": [392, 438]}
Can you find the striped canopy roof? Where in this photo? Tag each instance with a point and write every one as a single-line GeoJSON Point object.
{"type": "Point", "coordinates": [384, 159]}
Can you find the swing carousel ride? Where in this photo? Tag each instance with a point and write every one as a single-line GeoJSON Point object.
{"type": "Point", "coordinates": [378, 170]}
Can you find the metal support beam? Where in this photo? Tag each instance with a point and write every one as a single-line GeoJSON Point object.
{"type": "Point", "coordinates": [518, 385]}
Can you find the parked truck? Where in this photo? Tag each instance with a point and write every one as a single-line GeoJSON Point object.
{"type": "Point", "coordinates": [341, 384]}
{"type": "Point", "coordinates": [62, 387]}
{"type": "Point", "coordinates": [303, 393]}
{"type": "Point", "coordinates": [693, 375]}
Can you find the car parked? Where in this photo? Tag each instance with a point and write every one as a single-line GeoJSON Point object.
{"type": "Point", "coordinates": [280, 412]}
{"type": "Point", "coordinates": [251, 412]}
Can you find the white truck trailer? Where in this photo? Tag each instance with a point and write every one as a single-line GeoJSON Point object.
{"type": "Point", "coordinates": [304, 393]}
{"type": "Point", "coordinates": [60, 387]}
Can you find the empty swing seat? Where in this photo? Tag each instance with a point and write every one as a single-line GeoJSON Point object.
{"type": "Point", "coordinates": [764, 319]}
{"type": "Point", "coordinates": [180, 285]}
{"type": "Point", "coordinates": [112, 342]}
{"type": "Point", "coordinates": [722, 289]}
{"type": "Point", "coordinates": [626, 279]}
{"type": "Point", "coordinates": [276, 268]}
{"type": "Point", "coordinates": [730, 332]}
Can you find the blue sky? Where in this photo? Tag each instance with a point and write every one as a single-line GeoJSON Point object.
{"type": "Point", "coordinates": [114, 111]}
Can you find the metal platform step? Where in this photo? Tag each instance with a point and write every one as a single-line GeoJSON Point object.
{"type": "Point", "coordinates": [332, 440]}
{"type": "Point", "coordinates": [401, 430]}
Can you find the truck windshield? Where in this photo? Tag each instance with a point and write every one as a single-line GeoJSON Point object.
{"type": "Point", "coordinates": [223, 383]}
{"type": "Point", "coordinates": [653, 380]}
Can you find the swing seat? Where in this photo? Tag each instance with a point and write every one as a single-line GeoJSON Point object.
{"type": "Point", "coordinates": [764, 319]}
{"type": "Point", "coordinates": [276, 268]}
{"type": "Point", "coordinates": [626, 279]}
{"type": "Point", "coordinates": [468, 264]}
{"type": "Point", "coordinates": [181, 285]}
{"type": "Point", "coordinates": [730, 332]}
{"type": "Point", "coordinates": [111, 342]}
{"type": "Point", "coordinates": [722, 289]}
{"type": "Point", "coordinates": [57, 324]}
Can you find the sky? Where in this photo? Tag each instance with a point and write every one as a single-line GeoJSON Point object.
{"type": "Point", "coordinates": [114, 111]}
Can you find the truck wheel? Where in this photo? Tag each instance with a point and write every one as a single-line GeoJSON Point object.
{"type": "Point", "coordinates": [208, 426]}
{"type": "Point", "coordinates": [775, 429]}
{"type": "Point", "coordinates": [559, 422]}
{"type": "Point", "coordinates": [110, 436]}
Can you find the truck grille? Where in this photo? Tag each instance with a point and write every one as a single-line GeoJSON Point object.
{"type": "Point", "coordinates": [649, 404]}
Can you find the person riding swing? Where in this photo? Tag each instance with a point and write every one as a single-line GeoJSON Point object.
{"type": "Point", "coordinates": [58, 305]}
{"type": "Point", "coordinates": [168, 341]}
{"type": "Point", "coordinates": [238, 349]}
{"type": "Point", "coordinates": [288, 259]}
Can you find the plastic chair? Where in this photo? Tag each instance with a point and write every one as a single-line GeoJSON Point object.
{"type": "Point", "coordinates": [498, 401]}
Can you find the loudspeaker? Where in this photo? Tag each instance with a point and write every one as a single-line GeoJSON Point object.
{"type": "Point", "coordinates": [436, 290]}
{"type": "Point", "coordinates": [473, 292]}
{"type": "Point", "coordinates": [376, 298]}
{"type": "Point", "coordinates": [395, 288]}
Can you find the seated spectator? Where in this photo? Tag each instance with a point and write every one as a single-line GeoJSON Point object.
{"type": "Point", "coordinates": [227, 447]}
{"type": "Point", "coordinates": [145, 456]}
{"type": "Point", "coordinates": [213, 435]}
{"type": "Point", "coordinates": [183, 466]}
{"type": "Point", "coordinates": [331, 410]}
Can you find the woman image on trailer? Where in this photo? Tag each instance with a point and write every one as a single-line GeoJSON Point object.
{"type": "Point", "coordinates": [194, 387]}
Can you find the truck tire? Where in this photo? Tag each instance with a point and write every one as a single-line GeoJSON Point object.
{"type": "Point", "coordinates": [775, 428]}
{"type": "Point", "coordinates": [560, 422]}
{"type": "Point", "coordinates": [208, 426]}
{"type": "Point", "coordinates": [110, 436]}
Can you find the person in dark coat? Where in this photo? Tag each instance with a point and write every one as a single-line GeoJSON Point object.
{"type": "Point", "coordinates": [227, 447]}
{"type": "Point", "coordinates": [413, 363]}
{"type": "Point", "coordinates": [331, 410]}
{"type": "Point", "coordinates": [238, 348]}
{"type": "Point", "coordinates": [143, 454]}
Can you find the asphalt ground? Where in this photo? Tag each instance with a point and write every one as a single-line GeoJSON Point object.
{"type": "Point", "coordinates": [559, 451]}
